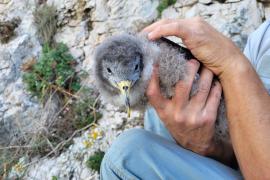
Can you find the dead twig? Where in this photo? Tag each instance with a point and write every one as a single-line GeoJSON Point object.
{"type": "Point", "coordinates": [15, 147]}
{"type": "Point", "coordinates": [4, 68]}
{"type": "Point", "coordinates": [61, 144]}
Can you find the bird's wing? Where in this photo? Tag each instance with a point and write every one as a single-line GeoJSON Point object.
{"type": "Point", "coordinates": [182, 50]}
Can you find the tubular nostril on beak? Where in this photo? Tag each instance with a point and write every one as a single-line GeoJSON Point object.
{"type": "Point", "coordinates": [125, 88]}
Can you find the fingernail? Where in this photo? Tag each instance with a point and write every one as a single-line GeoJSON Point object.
{"type": "Point", "coordinates": [150, 36]}
{"type": "Point", "coordinates": [155, 69]}
{"type": "Point", "coordinates": [216, 82]}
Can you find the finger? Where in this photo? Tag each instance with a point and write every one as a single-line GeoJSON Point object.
{"type": "Point", "coordinates": [153, 92]}
{"type": "Point", "coordinates": [156, 24]}
{"type": "Point", "coordinates": [183, 87]}
{"type": "Point", "coordinates": [205, 82]}
{"type": "Point", "coordinates": [177, 28]}
{"type": "Point", "coordinates": [213, 100]}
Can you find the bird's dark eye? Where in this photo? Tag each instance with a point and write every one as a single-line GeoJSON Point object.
{"type": "Point", "coordinates": [136, 67]}
{"type": "Point", "coordinates": [109, 70]}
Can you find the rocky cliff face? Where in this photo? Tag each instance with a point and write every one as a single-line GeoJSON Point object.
{"type": "Point", "coordinates": [82, 24]}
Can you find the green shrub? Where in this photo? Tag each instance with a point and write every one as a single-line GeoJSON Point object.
{"type": "Point", "coordinates": [94, 161]}
{"type": "Point", "coordinates": [164, 4]}
{"type": "Point", "coordinates": [54, 72]}
{"type": "Point", "coordinates": [84, 112]}
{"type": "Point", "coordinates": [6, 162]}
{"type": "Point", "coordinates": [84, 109]}
{"type": "Point", "coordinates": [54, 178]}
{"type": "Point", "coordinates": [45, 18]}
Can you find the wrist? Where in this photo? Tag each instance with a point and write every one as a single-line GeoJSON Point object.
{"type": "Point", "coordinates": [238, 66]}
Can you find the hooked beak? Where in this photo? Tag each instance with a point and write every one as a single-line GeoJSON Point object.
{"type": "Point", "coordinates": [124, 87]}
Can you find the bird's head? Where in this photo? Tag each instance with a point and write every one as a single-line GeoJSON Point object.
{"type": "Point", "coordinates": [120, 65]}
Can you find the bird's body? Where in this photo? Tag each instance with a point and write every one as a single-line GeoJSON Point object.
{"type": "Point", "coordinates": [123, 68]}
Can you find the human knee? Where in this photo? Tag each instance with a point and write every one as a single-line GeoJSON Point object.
{"type": "Point", "coordinates": [129, 141]}
{"type": "Point", "coordinates": [123, 149]}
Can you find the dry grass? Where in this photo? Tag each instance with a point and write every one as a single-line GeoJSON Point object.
{"type": "Point", "coordinates": [45, 17]}
{"type": "Point", "coordinates": [55, 136]}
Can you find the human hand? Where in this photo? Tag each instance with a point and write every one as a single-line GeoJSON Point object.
{"type": "Point", "coordinates": [191, 121]}
{"type": "Point", "coordinates": [217, 52]}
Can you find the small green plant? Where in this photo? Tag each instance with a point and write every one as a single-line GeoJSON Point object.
{"type": "Point", "coordinates": [54, 72]}
{"type": "Point", "coordinates": [45, 18]}
{"type": "Point", "coordinates": [6, 162]}
{"type": "Point", "coordinates": [54, 178]}
{"type": "Point", "coordinates": [85, 113]}
{"type": "Point", "coordinates": [164, 4]}
{"type": "Point", "coordinates": [84, 110]}
{"type": "Point", "coordinates": [94, 161]}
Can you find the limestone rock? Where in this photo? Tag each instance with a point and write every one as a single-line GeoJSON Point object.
{"type": "Point", "coordinates": [19, 111]}
{"type": "Point", "coordinates": [232, 1]}
{"type": "Point", "coordinates": [264, 1]}
{"type": "Point", "coordinates": [4, 1]}
{"type": "Point", "coordinates": [171, 13]}
{"type": "Point", "coordinates": [183, 3]}
{"type": "Point", "coordinates": [205, 1]}
{"type": "Point", "coordinates": [267, 11]}
{"type": "Point", "coordinates": [73, 35]}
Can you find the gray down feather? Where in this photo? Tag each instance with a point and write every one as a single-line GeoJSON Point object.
{"type": "Point", "coordinates": [117, 54]}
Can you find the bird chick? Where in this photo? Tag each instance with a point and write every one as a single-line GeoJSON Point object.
{"type": "Point", "coordinates": [123, 68]}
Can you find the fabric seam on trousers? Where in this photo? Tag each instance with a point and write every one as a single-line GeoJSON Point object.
{"type": "Point", "coordinates": [117, 170]}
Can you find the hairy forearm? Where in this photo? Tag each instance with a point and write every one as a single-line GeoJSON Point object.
{"type": "Point", "coordinates": [248, 111]}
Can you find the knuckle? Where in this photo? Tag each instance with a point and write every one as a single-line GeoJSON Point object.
{"type": "Point", "coordinates": [194, 63]}
{"type": "Point", "coordinates": [151, 92]}
{"type": "Point", "coordinates": [178, 26]}
{"type": "Point", "coordinates": [159, 29]}
{"type": "Point", "coordinates": [208, 122]}
{"type": "Point", "coordinates": [199, 25]}
{"type": "Point", "coordinates": [179, 118]}
{"type": "Point", "coordinates": [206, 72]}
{"type": "Point", "coordinates": [208, 119]}
{"type": "Point", "coordinates": [183, 85]}
{"type": "Point", "coordinates": [204, 87]}
{"type": "Point", "coordinates": [199, 31]}
{"type": "Point", "coordinates": [193, 66]}
{"type": "Point", "coordinates": [192, 120]}
{"type": "Point", "coordinates": [218, 91]}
